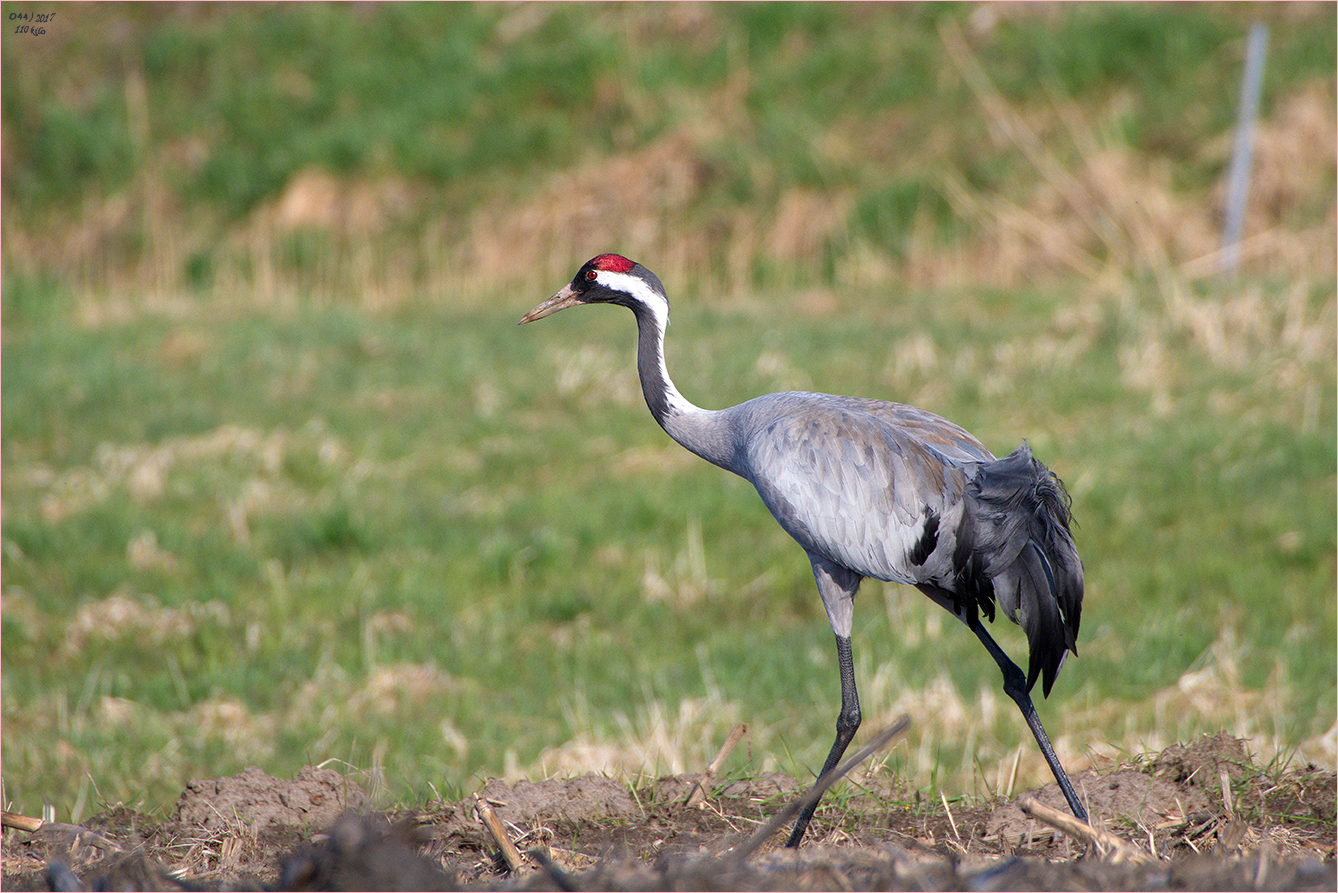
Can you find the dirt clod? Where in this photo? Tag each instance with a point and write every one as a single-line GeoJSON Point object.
{"type": "Point", "coordinates": [315, 798]}
{"type": "Point", "coordinates": [1124, 800]}
{"type": "Point", "coordinates": [1197, 764]}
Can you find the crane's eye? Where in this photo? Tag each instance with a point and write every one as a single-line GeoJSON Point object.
{"type": "Point", "coordinates": [591, 275]}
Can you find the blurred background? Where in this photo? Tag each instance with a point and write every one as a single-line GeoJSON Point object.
{"type": "Point", "coordinates": [285, 485]}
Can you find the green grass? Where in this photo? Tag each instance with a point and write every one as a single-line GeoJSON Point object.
{"type": "Point", "coordinates": [487, 504]}
{"type": "Point", "coordinates": [282, 495]}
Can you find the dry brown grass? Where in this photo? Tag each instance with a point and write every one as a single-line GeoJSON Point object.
{"type": "Point", "coordinates": [1114, 213]}
{"type": "Point", "coordinates": [653, 738]}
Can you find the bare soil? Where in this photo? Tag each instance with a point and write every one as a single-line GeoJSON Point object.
{"type": "Point", "coordinates": [1204, 813]}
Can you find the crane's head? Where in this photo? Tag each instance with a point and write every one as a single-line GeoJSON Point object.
{"type": "Point", "coordinates": [608, 279]}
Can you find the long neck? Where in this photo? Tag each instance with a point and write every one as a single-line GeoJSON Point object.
{"type": "Point", "coordinates": [702, 431]}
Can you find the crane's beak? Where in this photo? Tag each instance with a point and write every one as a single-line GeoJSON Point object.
{"type": "Point", "coordinates": [560, 301]}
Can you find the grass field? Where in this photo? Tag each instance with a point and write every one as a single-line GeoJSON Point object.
{"type": "Point", "coordinates": [284, 484]}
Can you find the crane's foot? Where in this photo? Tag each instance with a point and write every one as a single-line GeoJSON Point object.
{"type": "Point", "coordinates": [847, 723]}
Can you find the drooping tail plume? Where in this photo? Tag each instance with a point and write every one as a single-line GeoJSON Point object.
{"type": "Point", "coordinates": [1015, 546]}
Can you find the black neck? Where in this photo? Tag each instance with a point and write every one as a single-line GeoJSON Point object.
{"type": "Point", "coordinates": [655, 383]}
{"type": "Point", "coordinates": [698, 430]}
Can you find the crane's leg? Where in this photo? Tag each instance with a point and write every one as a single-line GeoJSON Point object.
{"type": "Point", "coordinates": [837, 587]}
{"type": "Point", "coordinates": [847, 721]}
{"type": "Point", "coordinates": [1015, 686]}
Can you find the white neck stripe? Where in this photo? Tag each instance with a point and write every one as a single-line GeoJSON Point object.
{"type": "Point", "coordinates": [641, 291]}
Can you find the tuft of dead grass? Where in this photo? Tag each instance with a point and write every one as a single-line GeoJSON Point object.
{"type": "Point", "coordinates": [206, 851]}
{"type": "Point", "coordinates": [655, 739]}
{"type": "Point", "coordinates": [124, 616]}
{"type": "Point", "coordinates": [345, 207]}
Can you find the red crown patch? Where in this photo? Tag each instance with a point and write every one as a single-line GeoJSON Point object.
{"type": "Point", "coordinates": [613, 263]}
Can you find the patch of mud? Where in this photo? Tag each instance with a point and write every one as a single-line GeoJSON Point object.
{"type": "Point", "coordinates": [1208, 817]}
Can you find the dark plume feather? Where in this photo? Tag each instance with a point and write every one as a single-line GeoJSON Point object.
{"type": "Point", "coordinates": [1014, 545]}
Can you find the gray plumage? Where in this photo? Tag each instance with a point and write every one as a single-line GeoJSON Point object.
{"type": "Point", "coordinates": [899, 494]}
{"type": "Point", "coordinates": [883, 490]}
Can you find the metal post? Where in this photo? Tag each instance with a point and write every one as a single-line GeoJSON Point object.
{"type": "Point", "coordinates": [1238, 182]}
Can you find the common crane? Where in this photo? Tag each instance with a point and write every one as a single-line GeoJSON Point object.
{"type": "Point", "coordinates": [882, 490]}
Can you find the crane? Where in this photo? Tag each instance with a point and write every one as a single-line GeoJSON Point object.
{"type": "Point", "coordinates": [883, 490]}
